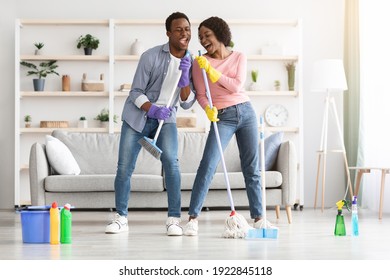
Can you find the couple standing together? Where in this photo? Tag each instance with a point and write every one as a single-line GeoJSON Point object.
{"type": "Point", "coordinates": [146, 105]}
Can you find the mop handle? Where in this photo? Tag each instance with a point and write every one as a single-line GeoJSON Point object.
{"type": "Point", "coordinates": [161, 122]}
{"type": "Point", "coordinates": [262, 158]}
{"type": "Point", "coordinates": [208, 94]}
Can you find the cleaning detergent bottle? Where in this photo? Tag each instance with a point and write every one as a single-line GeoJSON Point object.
{"type": "Point", "coordinates": [339, 229]}
{"type": "Point", "coordinates": [54, 224]}
{"type": "Point", "coordinates": [354, 218]}
{"type": "Point", "coordinates": [66, 225]}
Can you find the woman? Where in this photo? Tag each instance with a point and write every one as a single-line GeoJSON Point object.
{"type": "Point", "coordinates": [226, 71]}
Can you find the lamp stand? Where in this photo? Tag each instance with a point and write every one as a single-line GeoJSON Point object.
{"type": "Point", "coordinates": [322, 153]}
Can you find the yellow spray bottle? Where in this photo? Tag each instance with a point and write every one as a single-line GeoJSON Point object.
{"type": "Point", "coordinates": [339, 229]}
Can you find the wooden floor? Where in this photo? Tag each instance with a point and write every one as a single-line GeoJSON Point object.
{"type": "Point", "coordinates": [310, 236]}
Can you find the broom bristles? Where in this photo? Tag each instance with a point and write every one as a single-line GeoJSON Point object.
{"type": "Point", "coordinates": [236, 226]}
{"type": "Point", "coordinates": [150, 146]}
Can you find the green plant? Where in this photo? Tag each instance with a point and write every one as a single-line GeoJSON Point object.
{"type": "Point", "coordinates": [277, 83]}
{"type": "Point", "coordinates": [104, 116]}
{"type": "Point", "coordinates": [254, 74]}
{"type": "Point", "coordinates": [88, 41]}
{"type": "Point", "coordinates": [231, 44]}
{"type": "Point", "coordinates": [290, 66]}
{"type": "Point", "coordinates": [39, 45]}
{"type": "Point", "coordinates": [82, 118]}
{"type": "Point", "coordinates": [27, 118]}
{"type": "Point", "coordinates": [41, 71]}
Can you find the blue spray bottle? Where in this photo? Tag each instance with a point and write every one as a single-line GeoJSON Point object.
{"type": "Point", "coordinates": [354, 217]}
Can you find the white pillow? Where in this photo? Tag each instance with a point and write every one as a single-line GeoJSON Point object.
{"type": "Point", "coordinates": [60, 157]}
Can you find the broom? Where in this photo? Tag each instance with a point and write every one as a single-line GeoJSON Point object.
{"type": "Point", "coordinates": [265, 231]}
{"type": "Point", "coordinates": [235, 225]}
{"type": "Point", "coordinates": [150, 144]}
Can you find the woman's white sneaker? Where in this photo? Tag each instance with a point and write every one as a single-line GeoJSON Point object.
{"type": "Point", "coordinates": [117, 225]}
{"type": "Point", "coordinates": [191, 228]}
{"type": "Point", "coordinates": [173, 226]}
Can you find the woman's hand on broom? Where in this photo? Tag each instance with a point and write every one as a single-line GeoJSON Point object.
{"type": "Point", "coordinates": [212, 113]}
{"type": "Point", "coordinates": [160, 113]}
{"type": "Point", "coordinates": [213, 74]}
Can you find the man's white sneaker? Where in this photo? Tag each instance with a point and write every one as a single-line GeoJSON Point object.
{"type": "Point", "coordinates": [117, 225]}
{"type": "Point", "coordinates": [263, 224]}
{"type": "Point", "coordinates": [173, 226]}
{"type": "Point", "coordinates": [191, 228]}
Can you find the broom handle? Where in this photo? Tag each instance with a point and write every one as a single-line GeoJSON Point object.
{"type": "Point", "coordinates": [262, 158]}
{"type": "Point", "coordinates": [161, 122]}
{"type": "Point", "coordinates": [208, 94]}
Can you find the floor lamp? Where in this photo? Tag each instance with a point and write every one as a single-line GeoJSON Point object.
{"type": "Point", "coordinates": [329, 77]}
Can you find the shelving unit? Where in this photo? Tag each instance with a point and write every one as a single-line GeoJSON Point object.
{"type": "Point", "coordinates": [113, 59]}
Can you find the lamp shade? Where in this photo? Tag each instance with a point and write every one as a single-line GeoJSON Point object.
{"type": "Point", "coordinates": [328, 75]}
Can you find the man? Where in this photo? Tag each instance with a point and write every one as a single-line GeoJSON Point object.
{"type": "Point", "coordinates": [146, 105]}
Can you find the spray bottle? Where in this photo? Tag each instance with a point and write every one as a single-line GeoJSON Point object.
{"type": "Point", "coordinates": [339, 229]}
{"type": "Point", "coordinates": [66, 225]}
{"type": "Point", "coordinates": [54, 224]}
{"type": "Point", "coordinates": [354, 217]}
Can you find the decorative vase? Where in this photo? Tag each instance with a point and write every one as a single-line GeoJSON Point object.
{"type": "Point", "coordinates": [254, 86]}
{"type": "Point", "coordinates": [136, 48]}
{"type": "Point", "coordinates": [65, 83]}
{"type": "Point", "coordinates": [83, 124]}
{"type": "Point", "coordinates": [291, 79]}
{"type": "Point", "coordinates": [27, 124]}
{"type": "Point", "coordinates": [104, 124]}
{"type": "Point", "coordinates": [39, 84]}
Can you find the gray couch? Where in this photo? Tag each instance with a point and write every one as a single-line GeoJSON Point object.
{"type": "Point", "coordinates": [96, 154]}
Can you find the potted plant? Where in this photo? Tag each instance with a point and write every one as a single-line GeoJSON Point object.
{"type": "Point", "coordinates": [38, 46]}
{"type": "Point", "coordinates": [254, 86]}
{"type": "Point", "coordinates": [83, 123]}
{"type": "Point", "coordinates": [41, 71]}
{"type": "Point", "coordinates": [88, 42]}
{"type": "Point", "coordinates": [230, 46]}
{"type": "Point", "coordinates": [277, 84]}
{"type": "Point", "coordinates": [290, 67]}
{"type": "Point", "coordinates": [104, 117]}
{"type": "Point", "coordinates": [27, 121]}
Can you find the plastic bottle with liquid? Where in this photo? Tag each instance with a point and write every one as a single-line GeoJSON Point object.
{"type": "Point", "coordinates": [339, 229]}
{"type": "Point", "coordinates": [354, 217]}
{"type": "Point", "coordinates": [66, 225]}
{"type": "Point", "coordinates": [54, 224]}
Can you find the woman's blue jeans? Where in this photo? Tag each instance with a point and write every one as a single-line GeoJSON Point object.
{"type": "Point", "coordinates": [240, 120]}
{"type": "Point", "coordinates": [129, 149]}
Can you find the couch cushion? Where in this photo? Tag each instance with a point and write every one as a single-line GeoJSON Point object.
{"type": "Point", "coordinates": [97, 153]}
{"type": "Point", "coordinates": [60, 157]}
{"type": "Point", "coordinates": [271, 149]}
{"type": "Point", "coordinates": [101, 183]}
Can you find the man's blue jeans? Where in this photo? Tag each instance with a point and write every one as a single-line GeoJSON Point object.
{"type": "Point", "coordinates": [240, 120]}
{"type": "Point", "coordinates": [129, 149]}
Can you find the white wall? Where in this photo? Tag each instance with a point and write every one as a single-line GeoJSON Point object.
{"type": "Point", "coordinates": [322, 38]}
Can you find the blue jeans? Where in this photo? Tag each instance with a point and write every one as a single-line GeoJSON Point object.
{"type": "Point", "coordinates": [129, 149]}
{"type": "Point", "coordinates": [240, 120]}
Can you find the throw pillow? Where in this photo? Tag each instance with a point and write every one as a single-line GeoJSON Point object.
{"type": "Point", "coordinates": [271, 149]}
{"type": "Point", "coordinates": [60, 157]}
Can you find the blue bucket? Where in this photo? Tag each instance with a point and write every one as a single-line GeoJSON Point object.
{"type": "Point", "coordinates": [36, 224]}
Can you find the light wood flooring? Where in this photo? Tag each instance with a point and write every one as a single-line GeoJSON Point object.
{"type": "Point", "coordinates": [310, 236]}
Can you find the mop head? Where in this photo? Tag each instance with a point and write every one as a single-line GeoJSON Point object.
{"type": "Point", "coordinates": [150, 146]}
{"type": "Point", "coordinates": [265, 231]}
{"type": "Point", "coordinates": [236, 226]}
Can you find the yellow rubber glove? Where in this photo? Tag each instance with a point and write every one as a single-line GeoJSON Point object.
{"type": "Point", "coordinates": [214, 75]}
{"type": "Point", "coordinates": [212, 114]}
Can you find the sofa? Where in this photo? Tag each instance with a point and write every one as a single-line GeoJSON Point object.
{"type": "Point", "coordinates": [96, 155]}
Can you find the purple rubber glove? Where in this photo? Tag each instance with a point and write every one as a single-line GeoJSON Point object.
{"type": "Point", "coordinates": [160, 113]}
{"type": "Point", "coordinates": [185, 65]}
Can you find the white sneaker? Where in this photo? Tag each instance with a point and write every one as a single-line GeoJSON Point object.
{"type": "Point", "coordinates": [173, 226]}
{"type": "Point", "coordinates": [263, 224]}
{"type": "Point", "coordinates": [117, 225]}
{"type": "Point", "coordinates": [191, 228]}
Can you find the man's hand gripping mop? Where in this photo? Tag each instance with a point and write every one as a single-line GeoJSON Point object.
{"type": "Point", "coordinates": [266, 231]}
{"type": "Point", "coordinates": [235, 225]}
{"type": "Point", "coordinates": [150, 144]}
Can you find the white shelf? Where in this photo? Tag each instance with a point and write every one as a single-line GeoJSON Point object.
{"type": "Point", "coordinates": [114, 57]}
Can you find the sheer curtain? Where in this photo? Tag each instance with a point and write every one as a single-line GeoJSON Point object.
{"type": "Point", "coordinates": [374, 21]}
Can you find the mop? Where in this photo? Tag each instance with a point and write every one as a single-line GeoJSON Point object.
{"type": "Point", "coordinates": [150, 144]}
{"type": "Point", "coordinates": [235, 225]}
{"type": "Point", "coordinates": [265, 231]}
